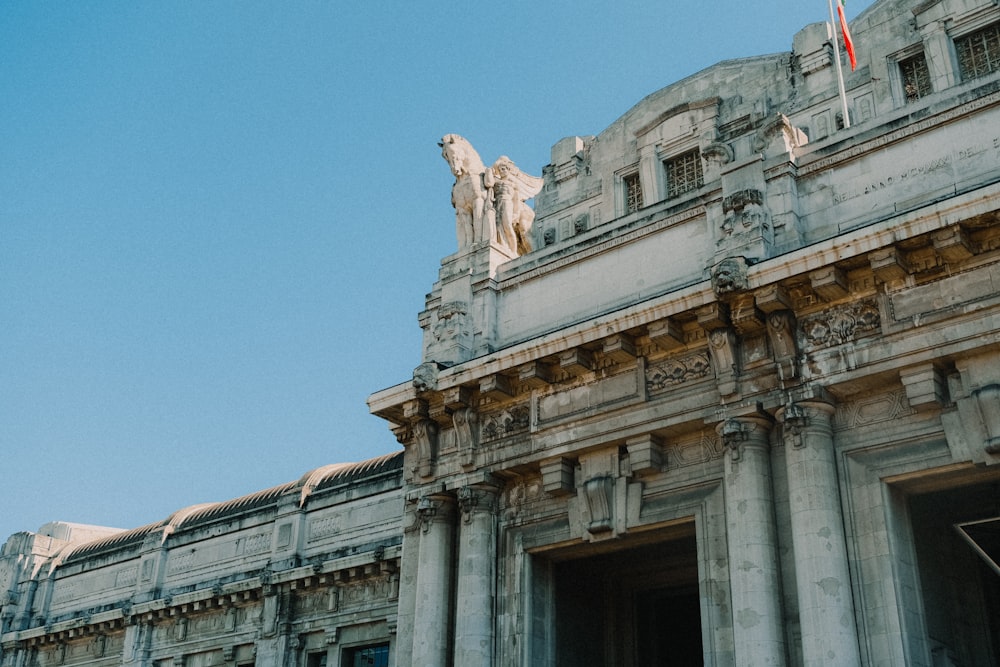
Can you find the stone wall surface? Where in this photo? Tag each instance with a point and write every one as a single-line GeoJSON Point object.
{"type": "Point", "coordinates": [729, 395]}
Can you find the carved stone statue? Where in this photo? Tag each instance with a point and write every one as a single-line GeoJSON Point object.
{"type": "Point", "coordinates": [511, 189]}
{"type": "Point", "coordinates": [489, 203]}
{"type": "Point", "coordinates": [730, 275]}
{"type": "Point", "coordinates": [469, 194]}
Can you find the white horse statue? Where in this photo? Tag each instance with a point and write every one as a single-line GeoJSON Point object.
{"type": "Point", "coordinates": [489, 203]}
{"type": "Point", "coordinates": [469, 194]}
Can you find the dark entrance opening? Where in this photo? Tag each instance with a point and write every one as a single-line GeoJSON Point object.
{"type": "Point", "coordinates": [629, 607]}
{"type": "Point", "coordinates": [954, 534]}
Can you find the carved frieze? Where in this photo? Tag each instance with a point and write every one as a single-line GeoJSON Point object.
{"type": "Point", "coordinates": [701, 448]}
{"type": "Point", "coordinates": [840, 324]}
{"type": "Point", "coordinates": [889, 406]}
{"type": "Point", "coordinates": [514, 420]}
{"type": "Point", "coordinates": [667, 374]}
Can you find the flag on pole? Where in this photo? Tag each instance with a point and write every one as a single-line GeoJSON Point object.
{"type": "Point", "coordinates": [848, 42]}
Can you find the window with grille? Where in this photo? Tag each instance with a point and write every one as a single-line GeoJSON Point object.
{"type": "Point", "coordinates": [376, 655]}
{"type": "Point", "coordinates": [683, 173]}
{"type": "Point", "coordinates": [979, 52]}
{"type": "Point", "coordinates": [633, 193]}
{"type": "Point", "coordinates": [916, 77]}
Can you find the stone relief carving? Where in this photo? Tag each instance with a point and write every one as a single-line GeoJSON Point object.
{"type": "Point", "coordinates": [841, 324]}
{"type": "Point", "coordinates": [744, 211]}
{"type": "Point", "coordinates": [466, 423]}
{"type": "Point", "coordinates": [489, 203]}
{"type": "Point", "coordinates": [730, 275]}
{"type": "Point", "coordinates": [677, 370]}
{"type": "Point", "coordinates": [722, 345]}
{"type": "Point", "coordinates": [425, 432]}
{"type": "Point", "coordinates": [781, 333]}
{"type": "Point", "coordinates": [704, 447]}
{"type": "Point", "coordinates": [871, 410]}
{"type": "Point", "coordinates": [425, 377]}
{"type": "Point", "coordinates": [512, 421]}
{"type": "Point", "coordinates": [452, 331]}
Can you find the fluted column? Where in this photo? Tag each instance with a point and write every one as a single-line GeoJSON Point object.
{"type": "Point", "coordinates": [431, 623]}
{"type": "Point", "coordinates": [476, 576]}
{"type": "Point", "coordinates": [753, 560]}
{"type": "Point", "coordinates": [822, 574]}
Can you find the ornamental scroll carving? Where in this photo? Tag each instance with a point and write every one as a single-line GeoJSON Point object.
{"type": "Point", "coordinates": [840, 324]}
{"type": "Point", "coordinates": [667, 374]}
{"type": "Point", "coordinates": [466, 423]}
{"type": "Point", "coordinates": [512, 421]}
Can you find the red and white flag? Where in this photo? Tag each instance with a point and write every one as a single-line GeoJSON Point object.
{"type": "Point", "coordinates": [848, 42]}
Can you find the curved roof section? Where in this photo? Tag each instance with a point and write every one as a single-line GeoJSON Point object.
{"type": "Point", "coordinates": [319, 479]}
{"type": "Point", "coordinates": [121, 540]}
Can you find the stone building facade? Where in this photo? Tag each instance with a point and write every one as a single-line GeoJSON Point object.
{"type": "Point", "coordinates": [728, 395]}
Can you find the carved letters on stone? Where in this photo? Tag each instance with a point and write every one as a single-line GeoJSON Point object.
{"type": "Point", "coordinates": [840, 324]}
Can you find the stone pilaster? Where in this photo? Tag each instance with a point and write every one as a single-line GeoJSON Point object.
{"type": "Point", "coordinates": [822, 574]}
{"type": "Point", "coordinates": [476, 576]}
{"type": "Point", "coordinates": [753, 560]}
{"type": "Point", "coordinates": [432, 617]}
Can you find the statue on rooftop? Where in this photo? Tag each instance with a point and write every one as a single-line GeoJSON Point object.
{"type": "Point", "coordinates": [469, 194]}
{"type": "Point", "coordinates": [489, 202]}
{"type": "Point", "coordinates": [511, 189]}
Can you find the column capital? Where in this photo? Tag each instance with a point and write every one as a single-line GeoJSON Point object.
{"type": "Point", "coordinates": [435, 508]}
{"type": "Point", "coordinates": [477, 499]}
{"type": "Point", "coordinates": [750, 430]}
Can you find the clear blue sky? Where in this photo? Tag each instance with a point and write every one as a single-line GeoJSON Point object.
{"type": "Point", "coordinates": [218, 220]}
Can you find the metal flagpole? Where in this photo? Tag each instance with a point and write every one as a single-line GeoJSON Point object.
{"type": "Point", "coordinates": [836, 60]}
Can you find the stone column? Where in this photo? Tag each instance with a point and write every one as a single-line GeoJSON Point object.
{"type": "Point", "coordinates": [476, 577]}
{"type": "Point", "coordinates": [753, 560]}
{"type": "Point", "coordinates": [822, 575]}
{"type": "Point", "coordinates": [432, 617]}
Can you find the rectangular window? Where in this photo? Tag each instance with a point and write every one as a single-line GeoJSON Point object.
{"type": "Point", "coordinates": [683, 173]}
{"type": "Point", "coordinates": [376, 655]}
{"type": "Point", "coordinates": [633, 193]}
{"type": "Point", "coordinates": [316, 659]}
{"type": "Point", "coordinates": [979, 52]}
{"type": "Point", "coordinates": [916, 77]}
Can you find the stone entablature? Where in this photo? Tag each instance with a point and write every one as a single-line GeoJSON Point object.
{"type": "Point", "coordinates": [217, 583]}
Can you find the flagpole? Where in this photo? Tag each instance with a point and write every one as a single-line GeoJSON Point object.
{"type": "Point", "coordinates": [840, 73]}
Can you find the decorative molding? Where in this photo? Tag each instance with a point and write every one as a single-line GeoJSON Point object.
{"type": "Point", "coordinates": [466, 422]}
{"type": "Point", "coordinates": [840, 324]}
{"type": "Point", "coordinates": [515, 420]}
{"type": "Point", "coordinates": [597, 494]}
{"type": "Point", "coordinates": [669, 373]}
{"type": "Point", "coordinates": [425, 434]}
